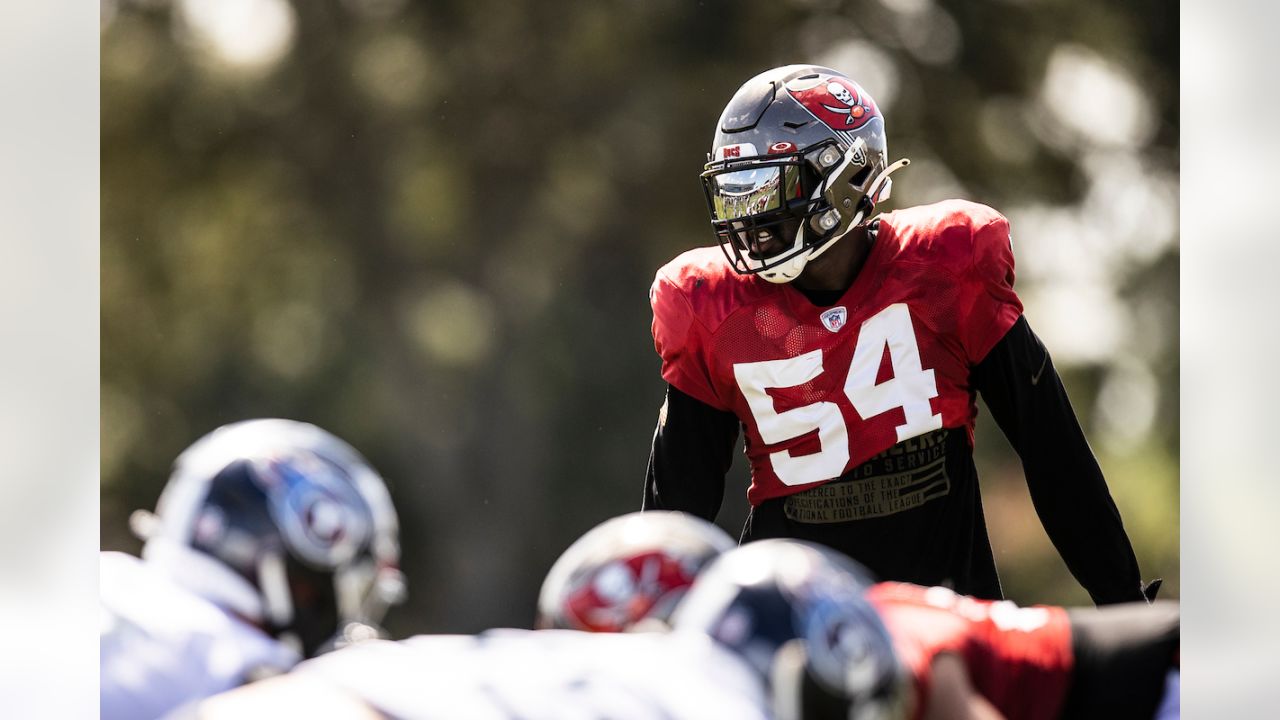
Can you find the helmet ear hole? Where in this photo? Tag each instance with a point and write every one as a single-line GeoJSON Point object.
{"type": "Point", "coordinates": [859, 179]}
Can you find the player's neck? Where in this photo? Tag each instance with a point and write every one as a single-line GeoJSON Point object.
{"type": "Point", "coordinates": [838, 267]}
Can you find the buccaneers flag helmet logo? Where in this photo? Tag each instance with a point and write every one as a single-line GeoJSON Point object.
{"type": "Point", "coordinates": [625, 591]}
{"type": "Point", "coordinates": [839, 103]}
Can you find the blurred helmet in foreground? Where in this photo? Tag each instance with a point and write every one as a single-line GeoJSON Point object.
{"type": "Point", "coordinates": [799, 159]}
{"type": "Point", "coordinates": [283, 524]}
{"type": "Point", "coordinates": [627, 569]}
{"type": "Point", "coordinates": [798, 614]}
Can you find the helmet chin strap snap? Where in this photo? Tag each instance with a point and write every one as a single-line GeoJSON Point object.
{"type": "Point", "coordinates": [826, 221]}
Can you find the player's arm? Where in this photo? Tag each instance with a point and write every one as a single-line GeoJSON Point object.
{"type": "Point", "coordinates": [696, 433]}
{"type": "Point", "coordinates": [951, 696]}
{"type": "Point", "coordinates": [692, 451]}
{"type": "Point", "coordinates": [1018, 381]}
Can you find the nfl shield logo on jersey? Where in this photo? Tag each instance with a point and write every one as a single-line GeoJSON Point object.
{"type": "Point", "coordinates": [834, 318]}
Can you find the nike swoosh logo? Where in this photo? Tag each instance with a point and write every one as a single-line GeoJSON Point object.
{"type": "Point", "coordinates": [1036, 378]}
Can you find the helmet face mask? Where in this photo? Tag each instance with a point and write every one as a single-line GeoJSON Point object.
{"type": "Point", "coordinates": [798, 161]}
{"type": "Point", "coordinates": [758, 206]}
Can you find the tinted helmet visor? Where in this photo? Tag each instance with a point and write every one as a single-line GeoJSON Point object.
{"type": "Point", "coordinates": [757, 205]}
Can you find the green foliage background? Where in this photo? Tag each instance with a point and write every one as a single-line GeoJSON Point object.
{"type": "Point", "coordinates": [430, 228]}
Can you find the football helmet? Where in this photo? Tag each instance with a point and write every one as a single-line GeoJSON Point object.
{"type": "Point", "coordinates": [797, 613]}
{"type": "Point", "coordinates": [284, 524]}
{"type": "Point", "coordinates": [799, 159]}
{"type": "Point", "coordinates": [628, 569]}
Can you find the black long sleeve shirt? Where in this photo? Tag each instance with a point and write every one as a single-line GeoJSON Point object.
{"type": "Point", "coordinates": [943, 541]}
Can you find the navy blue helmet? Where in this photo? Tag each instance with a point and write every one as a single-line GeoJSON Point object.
{"type": "Point", "coordinates": [283, 524]}
{"type": "Point", "coordinates": [797, 613]}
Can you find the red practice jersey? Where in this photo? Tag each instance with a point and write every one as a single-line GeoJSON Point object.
{"type": "Point", "coordinates": [1019, 659]}
{"type": "Point", "coordinates": [822, 390]}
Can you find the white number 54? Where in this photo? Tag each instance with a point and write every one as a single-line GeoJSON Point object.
{"type": "Point", "coordinates": [911, 388]}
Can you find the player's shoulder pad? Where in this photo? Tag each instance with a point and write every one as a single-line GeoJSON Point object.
{"type": "Point", "coordinates": [951, 234]}
{"type": "Point", "coordinates": [700, 287]}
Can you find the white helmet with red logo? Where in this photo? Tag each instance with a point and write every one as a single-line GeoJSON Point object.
{"type": "Point", "coordinates": [799, 159]}
{"type": "Point", "coordinates": [627, 569]}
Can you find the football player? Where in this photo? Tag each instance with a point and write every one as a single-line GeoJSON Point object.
{"type": "Point", "coordinates": [628, 571]}
{"type": "Point", "coordinates": [833, 645]}
{"type": "Point", "coordinates": [626, 574]}
{"type": "Point", "coordinates": [499, 674]}
{"type": "Point", "coordinates": [850, 347]}
{"type": "Point", "coordinates": [272, 541]}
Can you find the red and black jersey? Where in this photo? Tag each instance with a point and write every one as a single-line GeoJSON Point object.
{"type": "Point", "coordinates": [858, 410]}
{"type": "Point", "coordinates": [822, 390]}
{"type": "Point", "coordinates": [1019, 659]}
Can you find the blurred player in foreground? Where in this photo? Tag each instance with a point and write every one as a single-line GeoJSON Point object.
{"type": "Point", "coordinates": [834, 645]}
{"type": "Point", "coordinates": [781, 629]}
{"type": "Point", "coordinates": [627, 571]}
{"type": "Point", "coordinates": [527, 674]}
{"type": "Point", "coordinates": [272, 541]}
{"type": "Point", "coordinates": [626, 574]}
